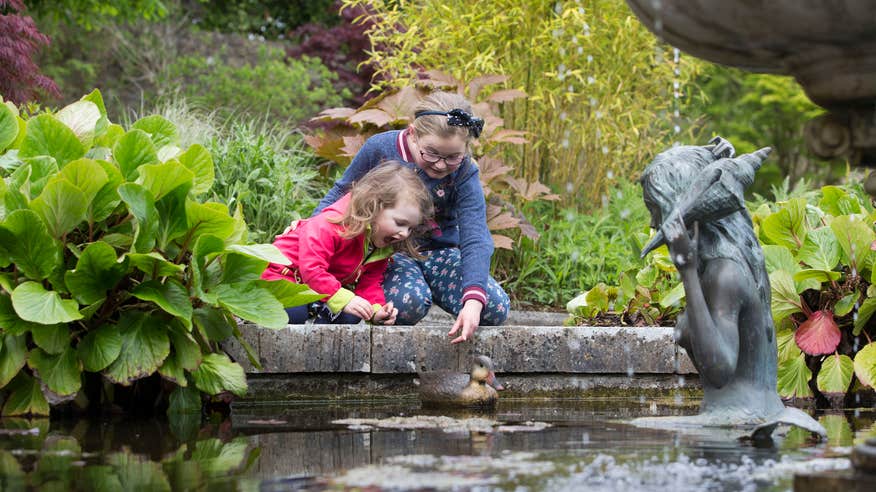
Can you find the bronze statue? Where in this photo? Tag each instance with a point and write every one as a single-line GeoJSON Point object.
{"type": "Point", "coordinates": [695, 196]}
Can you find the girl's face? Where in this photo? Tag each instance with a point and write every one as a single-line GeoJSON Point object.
{"type": "Point", "coordinates": [438, 156]}
{"type": "Point", "coordinates": [394, 224]}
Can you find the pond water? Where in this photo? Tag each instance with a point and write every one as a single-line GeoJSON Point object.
{"type": "Point", "coordinates": [543, 445]}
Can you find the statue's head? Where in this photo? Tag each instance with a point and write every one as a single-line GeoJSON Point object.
{"type": "Point", "coordinates": [669, 175]}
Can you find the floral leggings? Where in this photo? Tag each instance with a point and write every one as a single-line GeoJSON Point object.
{"type": "Point", "coordinates": [413, 285]}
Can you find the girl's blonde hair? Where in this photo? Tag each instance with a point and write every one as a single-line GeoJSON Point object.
{"type": "Point", "coordinates": [384, 187]}
{"type": "Point", "coordinates": [436, 124]}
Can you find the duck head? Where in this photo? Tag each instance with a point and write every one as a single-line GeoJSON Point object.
{"type": "Point", "coordinates": [482, 372]}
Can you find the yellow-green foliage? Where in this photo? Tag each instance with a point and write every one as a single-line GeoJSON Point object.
{"type": "Point", "coordinates": [600, 85]}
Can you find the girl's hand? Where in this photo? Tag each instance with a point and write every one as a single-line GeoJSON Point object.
{"type": "Point", "coordinates": [360, 307]}
{"type": "Point", "coordinates": [385, 315]}
{"type": "Point", "coordinates": [468, 320]}
{"type": "Point", "coordinates": [682, 248]}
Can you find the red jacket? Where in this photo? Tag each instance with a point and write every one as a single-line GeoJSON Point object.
{"type": "Point", "coordinates": [327, 263]}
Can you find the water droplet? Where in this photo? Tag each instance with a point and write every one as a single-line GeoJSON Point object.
{"type": "Point", "coordinates": [570, 188]}
{"type": "Point", "coordinates": [676, 129]}
{"type": "Point", "coordinates": [609, 174]}
{"type": "Point", "coordinates": [591, 80]}
{"type": "Point", "coordinates": [575, 255]}
{"type": "Point", "coordinates": [630, 371]}
{"type": "Point", "coordinates": [570, 89]}
{"type": "Point", "coordinates": [593, 101]}
{"type": "Point", "coordinates": [676, 55]}
{"type": "Point", "coordinates": [580, 50]}
{"type": "Point", "coordinates": [676, 113]}
{"type": "Point", "coordinates": [681, 381]}
{"type": "Point", "coordinates": [558, 7]}
{"type": "Point", "coordinates": [624, 213]}
{"type": "Point", "coordinates": [565, 143]}
{"type": "Point", "coordinates": [604, 200]}
{"type": "Point", "coordinates": [598, 114]}
{"type": "Point", "coordinates": [675, 84]}
{"type": "Point", "coordinates": [598, 134]}
{"type": "Point", "coordinates": [589, 58]}
{"type": "Point", "coordinates": [562, 51]}
{"type": "Point", "coordinates": [562, 115]}
{"type": "Point", "coordinates": [658, 25]}
{"type": "Point", "coordinates": [604, 149]}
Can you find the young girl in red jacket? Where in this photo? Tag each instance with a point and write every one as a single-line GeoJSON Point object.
{"type": "Point", "coordinates": [343, 251]}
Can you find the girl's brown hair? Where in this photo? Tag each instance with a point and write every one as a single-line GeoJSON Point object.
{"type": "Point", "coordinates": [437, 124]}
{"type": "Point", "coordinates": [381, 188]}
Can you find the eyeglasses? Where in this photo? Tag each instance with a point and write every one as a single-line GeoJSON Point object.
{"type": "Point", "coordinates": [450, 161]}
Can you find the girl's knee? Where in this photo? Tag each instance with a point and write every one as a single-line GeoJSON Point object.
{"type": "Point", "coordinates": [496, 311]}
{"type": "Point", "coordinates": [412, 306]}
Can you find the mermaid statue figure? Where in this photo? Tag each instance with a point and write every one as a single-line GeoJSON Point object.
{"type": "Point", "coordinates": [695, 196]}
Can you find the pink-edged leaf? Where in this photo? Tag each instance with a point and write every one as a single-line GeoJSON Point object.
{"type": "Point", "coordinates": [873, 246]}
{"type": "Point", "coordinates": [819, 334]}
{"type": "Point", "coordinates": [502, 221]}
{"type": "Point", "coordinates": [503, 242]}
{"type": "Point", "coordinates": [506, 95]}
{"type": "Point", "coordinates": [352, 145]}
{"type": "Point", "coordinates": [376, 117]}
{"type": "Point", "coordinates": [334, 114]}
{"type": "Point", "coordinates": [475, 86]}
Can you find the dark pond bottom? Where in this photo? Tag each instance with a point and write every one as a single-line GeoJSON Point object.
{"type": "Point", "coordinates": [587, 446]}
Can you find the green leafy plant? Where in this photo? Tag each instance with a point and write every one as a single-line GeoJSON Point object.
{"type": "Point", "coordinates": [111, 264]}
{"type": "Point", "coordinates": [820, 256]}
{"type": "Point", "coordinates": [602, 89]}
{"type": "Point", "coordinates": [288, 90]}
{"type": "Point", "coordinates": [340, 132]}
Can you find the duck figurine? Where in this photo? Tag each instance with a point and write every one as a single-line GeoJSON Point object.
{"type": "Point", "coordinates": [448, 388]}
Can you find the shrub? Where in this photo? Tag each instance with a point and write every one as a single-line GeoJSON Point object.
{"type": "Point", "coordinates": [820, 257]}
{"type": "Point", "coordinates": [20, 40]}
{"type": "Point", "coordinates": [341, 132]}
{"type": "Point", "coordinates": [272, 19]}
{"type": "Point", "coordinates": [111, 264]}
{"type": "Point", "coordinates": [600, 86]}
{"type": "Point", "coordinates": [271, 176]}
{"type": "Point", "coordinates": [269, 87]}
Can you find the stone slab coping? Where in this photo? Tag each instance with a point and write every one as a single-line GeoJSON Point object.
{"type": "Point", "coordinates": [515, 349]}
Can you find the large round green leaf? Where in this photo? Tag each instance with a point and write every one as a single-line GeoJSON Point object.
{"type": "Point", "coordinates": [142, 207]}
{"type": "Point", "coordinates": [13, 355]}
{"type": "Point", "coordinates": [48, 136]}
{"type": "Point", "coordinates": [779, 258]}
{"type": "Point", "coordinates": [154, 265]}
{"type": "Point", "coordinates": [61, 205]}
{"type": "Point", "coordinates": [854, 236]}
{"type": "Point", "coordinates": [87, 175]}
{"type": "Point", "coordinates": [53, 339]}
{"type": "Point", "coordinates": [217, 374]}
{"type": "Point", "coordinates": [198, 160]}
{"type": "Point", "coordinates": [868, 307]}
{"type": "Point", "coordinates": [820, 250]}
{"type": "Point", "coordinates": [237, 267]}
{"type": "Point", "coordinates": [185, 355]}
{"type": "Point", "coordinates": [839, 432]}
{"type": "Point", "coordinates": [267, 252]}
{"type": "Point", "coordinates": [145, 345]}
{"type": "Point", "coordinates": [209, 218]}
{"type": "Point", "coordinates": [160, 130]}
{"type": "Point", "coordinates": [62, 373]}
{"type": "Point", "coordinates": [10, 321]}
{"type": "Point", "coordinates": [34, 303]}
{"type": "Point", "coordinates": [133, 150]}
{"type": "Point", "coordinates": [865, 365]}
{"type": "Point", "coordinates": [835, 374]}
{"type": "Point", "coordinates": [837, 201]}
{"type": "Point", "coordinates": [289, 293]}
{"type": "Point", "coordinates": [82, 118]}
{"type": "Point", "coordinates": [787, 227]}
{"type": "Point", "coordinates": [785, 301]}
{"type": "Point", "coordinates": [213, 323]}
{"type": "Point", "coordinates": [9, 128]}
{"type": "Point", "coordinates": [171, 296]}
{"type": "Point", "coordinates": [97, 271]}
{"type": "Point", "coordinates": [100, 347]}
{"type": "Point", "coordinates": [788, 348]}
{"type": "Point", "coordinates": [25, 398]}
{"type": "Point", "coordinates": [29, 245]}
{"type": "Point", "coordinates": [185, 400]}
{"type": "Point", "coordinates": [793, 378]}
{"type": "Point", "coordinates": [161, 179]}
{"type": "Point", "coordinates": [845, 305]}
{"type": "Point", "coordinates": [252, 302]}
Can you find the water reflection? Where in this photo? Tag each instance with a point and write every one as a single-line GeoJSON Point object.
{"type": "Point", "coordinates": [297, 447]}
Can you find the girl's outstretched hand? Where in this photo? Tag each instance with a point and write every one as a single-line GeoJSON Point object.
{"type": "Point", "coordinates": [468, 320]}
{"type": "Point", "coordinates": [360, 307]}
{"type": "Point", "coordinates": [682, 247]}
{"type": "Point", "coordinates": [385, 315]}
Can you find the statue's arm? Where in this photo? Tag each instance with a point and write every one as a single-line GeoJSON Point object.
{"type": "Point", "coordinates": [714, 302]}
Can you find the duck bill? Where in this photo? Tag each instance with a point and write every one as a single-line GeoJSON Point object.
{"type": "Point", "coordinates": [494, 382]}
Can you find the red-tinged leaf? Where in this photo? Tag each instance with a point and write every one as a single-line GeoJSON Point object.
{"type": "Point", "coordinates": [478, 83]}
{"type": "Point", "coordinates": [528, 230]}
{"type": "Point", "coordinates": [334, 114]}
{"type": "Point", "coordinates": [400, 105]}
{"type": "Point", "coordinates": [376, 117]}
{"type": "Point", "coordinates": [503, 242]}
{"type": "Point", "coordinates": [352, 145]}
{"type": "Point", "coordinates": [440, 79]}
{"type": "Point", "coordinates": [873, 246]}
{"type": "Point", "coordinates": [502, 221]}
{"type": "Point", "coordinates": [491, 168]}
{"type": "Point", "coordinates": [819, 334]}
{"type": "Point", "coordinates": [506, 95]}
